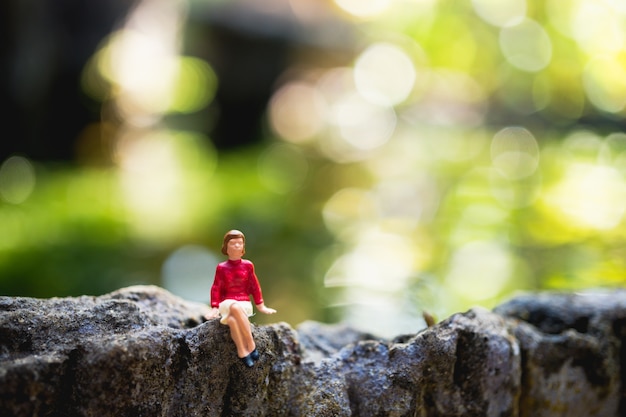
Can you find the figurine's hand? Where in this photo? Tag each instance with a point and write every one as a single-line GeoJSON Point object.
{"type": "Point", "coordinates": [265, 310]}
{"type": "Point", "coordinates": [215, 312]}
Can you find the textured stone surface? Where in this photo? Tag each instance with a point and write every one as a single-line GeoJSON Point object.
{"type": "Point", "coordinates": [574, 353]}
{"type": "Point", "coordinates": [141, 351]}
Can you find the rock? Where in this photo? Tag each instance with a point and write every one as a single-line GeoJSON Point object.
{"type": "Point", "coordinates": [573, 349]}
{"type": "Point", "coordinates": [141, 351]}
{"type": "Point", "coordinates": [468, 365]}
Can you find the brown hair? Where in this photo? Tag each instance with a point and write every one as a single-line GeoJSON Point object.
{"type": "Point", "coordinates": [232, 234]}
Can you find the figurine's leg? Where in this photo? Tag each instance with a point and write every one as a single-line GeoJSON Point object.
{"type": "Point", "coordinates": [240, 331]}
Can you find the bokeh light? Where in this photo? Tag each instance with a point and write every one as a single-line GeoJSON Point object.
{"type": "Point", "coordinates": [17, 179]}
{"type": "Point", "coordinates": [384, 74]}
{"type": "Point", "coordinates": [362, 124]}
{"type": "Point", "coordinates": [605, 83]}
{"type": "Point", "coordinates": [480, 270]}
{"type": "Point", "coordinates": [364, 8]}
{"type": "Point", "coordinates": [347, 209]}
{"type": "Point", "coordinates": [452, 98]}
{"type": "Point", "coordinates": [195, 86]}
{"type": "Point", "coordinates": [515, 152]}
{"type": "Point", "coordinates": [590, 196]}
{"type": "Point", "coordinates": [155, 180]}
{"type": "Point", "coordinates": [374, 274]}
{"type": "Point", "coordinates": [526, 45]}
{"type": "Point", "coordinates": [186, 273]}
{"type": "Point", "coordinates": [298, 112]}
{"type": "Point", "coordinates": [597, 27]}
{"type": "Point", "coordinates": [500, 13]}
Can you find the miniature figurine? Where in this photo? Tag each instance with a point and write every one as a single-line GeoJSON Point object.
{"type": "Point", "coordinates": [234, 282]}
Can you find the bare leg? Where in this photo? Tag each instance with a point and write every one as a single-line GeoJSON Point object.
{"type": "Point", "coordinates": [240, 331]}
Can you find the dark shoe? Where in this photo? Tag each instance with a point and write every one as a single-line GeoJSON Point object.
{"type": "Point", "coordinates": [255, 355]}
{"type": "Point", "coordinates": [248, 361]}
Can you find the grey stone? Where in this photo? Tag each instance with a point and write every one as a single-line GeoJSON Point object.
{"type": "Point", "coordinates": [574, 348]}
{"type": "Point", "coordinates": [141, 351]}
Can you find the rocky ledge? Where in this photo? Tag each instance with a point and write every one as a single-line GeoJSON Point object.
{"type": "Point", "coordinates": [141, 351]}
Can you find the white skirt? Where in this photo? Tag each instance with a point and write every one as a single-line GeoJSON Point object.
{"type": "Point", "coordinates": [225, 308]}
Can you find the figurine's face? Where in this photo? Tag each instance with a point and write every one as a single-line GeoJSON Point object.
{"type": "Point", "coordinates": [235, 248]}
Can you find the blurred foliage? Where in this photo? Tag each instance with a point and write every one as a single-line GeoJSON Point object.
{"type": "Point", "coordinates": [445, 154]}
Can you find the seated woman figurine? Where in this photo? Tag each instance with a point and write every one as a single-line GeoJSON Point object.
{"type": "Point", "coordinates": [234, 282]}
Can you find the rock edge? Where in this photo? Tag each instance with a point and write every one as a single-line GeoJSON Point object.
{"type": "Point", "coordinates": [141, 351]}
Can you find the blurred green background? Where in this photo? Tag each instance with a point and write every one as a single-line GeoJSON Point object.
{"type": "Point", "coordinates": [383, 157]}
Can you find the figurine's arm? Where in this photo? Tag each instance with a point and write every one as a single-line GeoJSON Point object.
{"type": "Point", "coordinates": [215, 294]}
{"type": "Point", "coordinates": [215, 312]}
{"type": "Point", "coordinates": [264, 309]}
{"type": "Point", "coordinates": [255, 290]}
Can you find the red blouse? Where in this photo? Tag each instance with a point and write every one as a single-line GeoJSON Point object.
{"type": "Point", "coordinates": [235, 280]}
